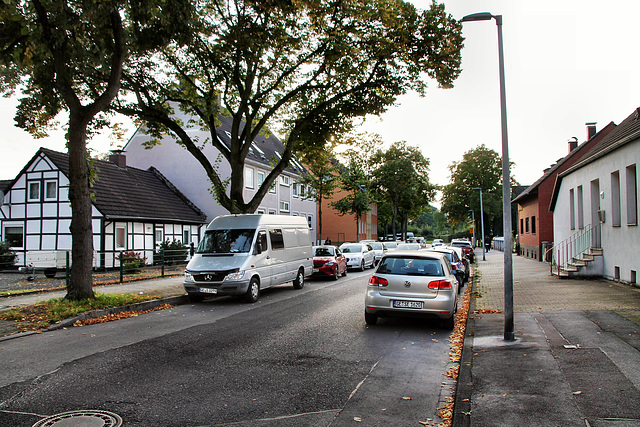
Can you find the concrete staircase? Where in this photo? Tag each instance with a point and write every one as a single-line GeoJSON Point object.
{"type": "Point", "coordinates": [576, 265]}
{"type": "Point", "coordinates": [575, 255]}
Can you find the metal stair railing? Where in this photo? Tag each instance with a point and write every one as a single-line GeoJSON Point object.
{"type": "Point", "coordinates": [573, 247]}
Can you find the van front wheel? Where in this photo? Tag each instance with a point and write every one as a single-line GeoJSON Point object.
{"type": "Point", "coordinates": [298, 283]}
{"type": "Point", "coordinates": [253, 292]}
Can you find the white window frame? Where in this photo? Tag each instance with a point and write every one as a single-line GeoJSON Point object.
{"type": "Point", "coordinates": [260, 178]}
{"type": "Point", "coordinates": [284, 206]}
{"type": "Point", "coordinates": [31, 184]}
{"type": "Point", "coordinates": [55, 190]}
{"type": "Point", "coordinates": [248, 178]}
{"type": "Point", "coordinates": [284, 180]}
{"type": "Point", "coordinates": [294, 189]}
{"type": "Point", "coordinates": [632, 194]}
{"type": "Point", "coordinates": [272, 189]}
{"type": "Point", "coordinates": [616, 218]}
{"type": "Point", "coordinates": [159, 231]}
{"type": "Point", "coordinates": [13, 225]}
{"type": "Point", "coordinates": [116, 237]}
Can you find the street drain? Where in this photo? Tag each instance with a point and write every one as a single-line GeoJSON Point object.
{"type": "Point", "coordinates": [88, 418]}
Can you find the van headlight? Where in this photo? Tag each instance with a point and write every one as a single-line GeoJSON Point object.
{"type": "Point", "coordinates": [188, 277]}
{"type": "Point", "coordinates": [238, 275]}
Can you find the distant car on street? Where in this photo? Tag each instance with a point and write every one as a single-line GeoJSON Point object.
{"type": "Point", "coordinates": [408, 247]}
{"type": "Point", "coordinates": [359, 255]}
{"type": "Point", "coordinates": [466, 247]}
{"type": "Point", "coordinates": [328, 261]}
{"type": "Point", "coordinates": [379, 249]}
{"type": "Point", "coordinates": [413, 284]}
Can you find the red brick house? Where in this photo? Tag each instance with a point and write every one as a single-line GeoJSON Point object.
{"type": "Point", "coordinates": [343, 228]}
{"type": "Point", "coordinates": [535, 221]}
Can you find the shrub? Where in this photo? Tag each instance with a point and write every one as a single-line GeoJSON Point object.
{"type": "Point", "coordinates": [174, 252]}
{"type": "Point", "coordinates": [7, 256]}
{"type": "Point", "coordinates": [131, 260]}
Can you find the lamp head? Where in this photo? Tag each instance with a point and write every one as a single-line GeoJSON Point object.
{"type": "Point", "coordinates": [481, 16]}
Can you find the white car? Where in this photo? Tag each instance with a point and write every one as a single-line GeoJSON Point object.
{"type": "Point", "coordinates": [359, 255]}
{"type": "Point", "coordinates": [380, 249]}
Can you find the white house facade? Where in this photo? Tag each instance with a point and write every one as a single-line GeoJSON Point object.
{"type": "Point", "coordinates": [595, 203]}
{"type": "Point", "coordinates": [133, 210]}
{"type": "Point", "coordinates": [285, 198]}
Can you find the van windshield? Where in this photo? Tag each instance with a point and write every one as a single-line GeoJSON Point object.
{"type": "Point", "coordinates": [226, 241]}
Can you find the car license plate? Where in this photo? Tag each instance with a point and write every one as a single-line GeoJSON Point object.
{"type": "Point", "coordinates": [208, 291]}
{"type": "Point", "coordinates": [407, 304]}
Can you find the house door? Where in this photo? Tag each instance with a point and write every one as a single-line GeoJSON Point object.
{"type": "Point", "coordinates": [595, 208]}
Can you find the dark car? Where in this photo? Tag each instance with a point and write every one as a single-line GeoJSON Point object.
{"type": "Point", "coordinates": [328, 261]}
{"type": "Point", "coordinates": [458, 265]}
{"type": "Point", "coordinates": [466, 247]}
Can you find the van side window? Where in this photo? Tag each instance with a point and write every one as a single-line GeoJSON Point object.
{"type": "Point", "coordinates": [262, 238]}
{"type": "Point", "coordinates": [277, 242]}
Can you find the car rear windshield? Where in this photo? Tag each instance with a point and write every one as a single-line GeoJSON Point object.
{"type": "Point", "coordinates": [352, 249]}
{"type": "Point", "coordinates": [324, 251]}
{"type": "Point", "coordinates": [463, 244]}
{"type": "Point", "coordinates": [410, 266]}
{"type": "Point", "coordinates": [226, 241]}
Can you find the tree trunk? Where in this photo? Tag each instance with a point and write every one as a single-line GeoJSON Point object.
{"type": "Point", "coordinates": [80, 281]}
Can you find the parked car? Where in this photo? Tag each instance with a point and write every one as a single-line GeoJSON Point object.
{"type": "Point", "coordinates": [359, 255]}
{"type": "Point", "coordinates": [413, 283]}
{"type": "Point", "coordinates": [379, 249]}
{"type": "Point", "coordinates": [466, 247]}
{"type": "Point", "coordinates": [437, 242]}
{"type": "Point", "coordinates": [243, 254]}
{"type": "Point", "coordinates": [391, 246]}
{"type": "Point", "coordinates": [408, 247]}
{"type": "Point", "coordinates": [457, 264]}
{"type": "Point", "coordinates": [464, 259]}
{"type": "Point", "coordinates": [328, 261]}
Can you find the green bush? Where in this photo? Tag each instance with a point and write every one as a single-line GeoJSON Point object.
{"type": "Point", "coordinates": [7, 256]}
{"type": "Point", "coordinates": [131, 260]}
{"type": "Point", "coordinates": [174, 252]}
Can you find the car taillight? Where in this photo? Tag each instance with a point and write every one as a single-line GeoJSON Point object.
{"type": "Point", "coordinates": [440, 284]}
{"type": "Point", "coordinates": [378, 281]}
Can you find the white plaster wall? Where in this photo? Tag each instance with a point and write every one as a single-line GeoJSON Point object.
{"type": "Point", "coordinates": [619, 244]}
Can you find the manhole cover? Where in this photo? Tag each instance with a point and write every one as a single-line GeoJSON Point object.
{"type": "Point", "coordinates": [81, 419]}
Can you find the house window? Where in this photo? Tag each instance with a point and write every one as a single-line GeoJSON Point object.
{"type": "Point", "coordinates": [310, 221]}
{"type": "Point", "coordinates": [632, 195]}
{"type": "Point", "coordinates": [14, 235]}
{"type": "Point", "coordinates": [572, 210]}
{"type": "Point", "coordinates": [294, 189]}
{"type": "Point", "coordinates": [301, 190]}
{"type": "Point", "coordinates": [580, 208]}
{"type": "Point", "coordinates": [615, 199]}
{"type": "Point", "coordinates": [248, 178]}
{"type": "Point", "coordinates": [260, 178]}
{"type": "Point", "coordinates": [526, 225]}
{"type": "Point", "coordinates": [121, 237]}
{"type": "Point", "coordinates": [261, 211]}
{"type": "Point", "coordinates": [51, 190]}
{"type": "Point", "coordinates": [284, 180]}
{"type": "Point", "coordinates": [284, 206]}
{"type": "Point", "coordinates": [185, 237]}
{"type": "Point", "coordinates": [272, 189]}
{"type": "Point", "coordinates": [34, 191]}
{"type": "Point", "coordinates": [533, 225]}
{"type": "Point", "coordinates": [159, 235]}
{"type": "Point", "coordinates": [521, 226]}
{"type": "Point", "coordinates": [272, 211]}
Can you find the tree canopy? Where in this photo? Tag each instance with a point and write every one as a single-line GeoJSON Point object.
{"type": "Point", "coordinates": [480, 167]}
{"type": "Point", "coordinates": [308, 67]}
{"type": "Point", "coordinates": [401, 179]}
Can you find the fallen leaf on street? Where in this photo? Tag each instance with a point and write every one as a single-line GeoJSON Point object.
{"type": "Point", "coordinates": [357, 419]}
{"type": "Point", "coordinates": [407, 398]}
{"type": "Point", "coordinates": [577, 392]}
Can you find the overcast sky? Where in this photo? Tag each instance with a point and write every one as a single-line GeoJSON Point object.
{"type": "Point", "coordinates": [567, 62]}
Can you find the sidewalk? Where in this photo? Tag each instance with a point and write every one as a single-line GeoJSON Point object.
{"type": "Point", "coordinates": [575, 360]}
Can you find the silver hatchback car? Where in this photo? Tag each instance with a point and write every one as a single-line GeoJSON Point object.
{"type": "Point", "coordinates": [413, 283]}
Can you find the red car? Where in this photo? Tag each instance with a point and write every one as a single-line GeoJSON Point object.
{"type": "Point", "coordinates": [328, 261]}
{"type": "Point", "coordinates": [465, 245]}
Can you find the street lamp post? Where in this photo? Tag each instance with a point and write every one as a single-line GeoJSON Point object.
{"type": "Point", "coordinates": [481, 222]}
{"type": "Point", "coordinates": [509, 334]}
{"type": "Point", "coordinates": [473, 221]}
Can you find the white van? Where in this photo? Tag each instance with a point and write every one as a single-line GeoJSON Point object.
{"type": "Point", "coordinates": [241, 254]}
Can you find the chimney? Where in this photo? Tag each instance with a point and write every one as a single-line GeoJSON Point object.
{"type": "Point", "coordinates": [118, 158]}
{"type": "Point", "coordinates": [591, 130]}
{"type": "Point", "coordinates": [573, 144]}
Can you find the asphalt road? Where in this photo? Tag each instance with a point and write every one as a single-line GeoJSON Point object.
{"type": "Point", "coordinates": [297, 357]}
